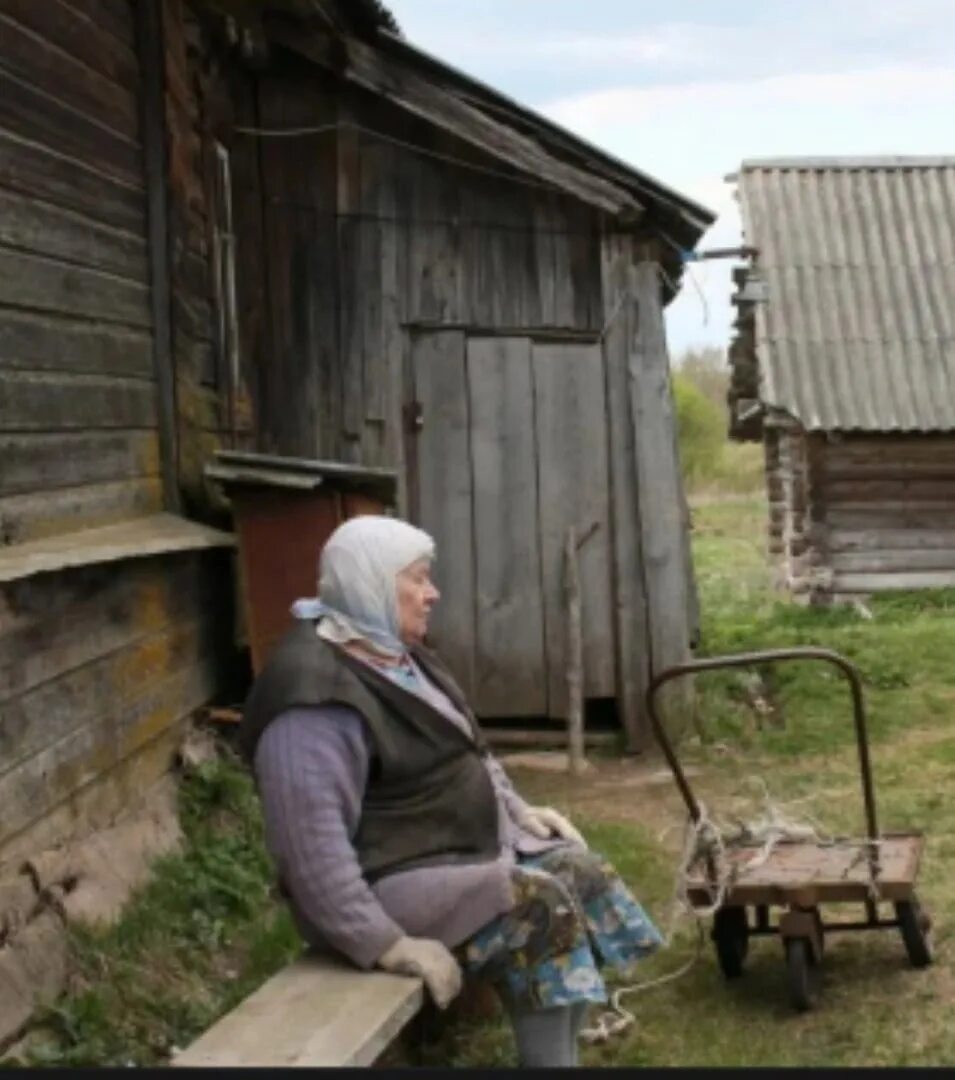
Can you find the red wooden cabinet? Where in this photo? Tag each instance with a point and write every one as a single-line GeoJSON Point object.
{"type": "Point", "coordinates": [284, 510]}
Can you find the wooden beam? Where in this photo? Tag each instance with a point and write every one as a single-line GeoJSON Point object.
{"type": "Point", "coordinates": [150, 45]}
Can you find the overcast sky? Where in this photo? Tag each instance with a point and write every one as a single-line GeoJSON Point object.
{"type": "Point", "coordinates": [686, 90]}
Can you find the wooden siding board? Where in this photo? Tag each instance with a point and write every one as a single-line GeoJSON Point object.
{"type": "Point", "coordinates": [630, 600]}
{"type": "Point", "coordinates": [44, 284]}
{"type": "Point", "coordinates": [45, 461]}
{"type": "Point", "coordinates": [96, 804]}
{"type": "Point", "coordinates": [32, 114]}
{"type": "Point", "coordinates": [54, 401]}
{"type": "Point", "coordinates": [79, 38]}
{"type": "Point", "coordinates": [44, 172]}
{"type": "Point", "coordinates": [305, 390]}
{"type": "Point", "coordinates": [509, 613]}
{"type": "Point", "coordinates": [51, 231]}
{"type": "Point", "coordinates": [46, 779]}
{"type": "Point", "coordinates": [115, 17]}
{"type": "Point", "coordinates": [31, 57]}
{"type": "Point", "coordinates": [39, 514]}
{"type": "Point", "coordinates": [44, 342]}
{"type": "Point", "coordinates": [570, 416]}
{"type": "Point", "coordinates": [660, 485]}
{"type": "Point", "coordinates": [42, 716]}
{"type": "Point", "coordinates": [442, 463]}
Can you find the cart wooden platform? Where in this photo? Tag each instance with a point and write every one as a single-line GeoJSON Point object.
{"type": "Point", "coordinates": [799, 876]}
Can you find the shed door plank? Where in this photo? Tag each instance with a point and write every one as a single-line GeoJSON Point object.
{"type": "Point", "coordinates": [445, 500]}
{"type": "Point", "coordinates": [666, 562]}
{"type": "Point", "coordinates": [572, 451]}
{"type": "Point", "coordinates": [510, 619]}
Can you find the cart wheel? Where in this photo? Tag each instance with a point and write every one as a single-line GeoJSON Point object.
{"type": "Point", "coordinates": [804, 975]}
{"type": "Point", "coordinates": [916, 927]}
{"type": "Point", "coordinates": [731, 937]}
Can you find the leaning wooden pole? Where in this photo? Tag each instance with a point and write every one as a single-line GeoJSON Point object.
{"type": "Point", "coordinates": [575, 657]}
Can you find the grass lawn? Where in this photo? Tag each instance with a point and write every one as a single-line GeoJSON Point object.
{"type": "Point", "coordinates": [206, 931]}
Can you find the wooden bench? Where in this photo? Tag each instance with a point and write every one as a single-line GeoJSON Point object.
{"type": "Point", "coordinates": [317, 1011]}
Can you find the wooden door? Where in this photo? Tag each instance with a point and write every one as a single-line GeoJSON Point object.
{"type": "Point", "coordinates": [508, 450]}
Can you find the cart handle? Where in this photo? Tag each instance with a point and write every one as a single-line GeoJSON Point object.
{"type": "Point", "coordinates": [767, 656]}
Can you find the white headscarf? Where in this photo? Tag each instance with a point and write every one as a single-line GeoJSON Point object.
{"type": "Point", "coordinates": [357, 592]}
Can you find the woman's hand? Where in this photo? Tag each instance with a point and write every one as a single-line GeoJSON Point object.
{"type": "Point", "coordinates": [428, 959]}
{"type": "Point", "coordinates": [544, 822]}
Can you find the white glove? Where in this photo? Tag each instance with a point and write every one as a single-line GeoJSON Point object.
{"type": "Point", "coordinates": [545, 822]}
{"type": "Point", "coordinates": [428, 959]}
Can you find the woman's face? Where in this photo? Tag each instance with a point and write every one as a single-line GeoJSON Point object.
{"type": "Point", "coordinates": [416, 596]}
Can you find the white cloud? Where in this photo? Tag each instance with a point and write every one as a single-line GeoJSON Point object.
{"type": "Point", "coordinates": [893, 86]}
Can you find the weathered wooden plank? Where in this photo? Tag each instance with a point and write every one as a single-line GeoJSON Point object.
{"type": "Point", "coordinates": [30, 790]}
{"type": "Point", "coordinates": [840, 493]}
{"type": "Point", "coordinates": [140, 537]}
{"type": "Point", "coordinates": [573, 474]}
{"type": "Point", "coordinates": [660, 483]}
{"type": "Point", "coordinates": [508, 606]}
{"type": "Point", "coordinates": [900, 470]}
{"type": "Point", "coordinates": [31, 57]}
{"type": "Point", "coordinates": [544, 221]}
{"type": "Point", "coordinates": [302, 412]}
{"type": "Point", "coordinates": [48, 230]}
{"type": "Point", "coordinates": [442, 463]}
{"type": "Point", "coordinates": [352, 267]}
{"type": "Point", "coordinates": [45, 173]}
{"type": "Point", "coordinates": [319, 1011]}
{"type": "Point", "coordinates": [866, 583]}
{"type": "Point", "coordinates": [28, 112]}
{"type": "Point", "coordinates": [38, 462]}
{"type": "Point", "coordinates": [54, 342]}
{"type": "Point", "coordinates": [900, 560]}
{"type": "Point", "coordinates": [113, 16]}
{"type": "Point", "coordinates": [888, 515]}
{"type": "Point", "coordinates": [33, 281]}
{"type": "Point", "coordinates": [891, 539]}
{"type": "Point", "coordinates": [79, 38]}
{"type": "Point", "coordinates": [55, 401]}
{"type": "Point", "coordinates": [630, 602]}
{"type": "Point", "coordinates": [889, 449]}
{"type": "Point", "coordinates": [36, 515]}
{"type": "Point", "coordinates": [98, 803]}
{"type": "Point", "coordinates": [41, 716]}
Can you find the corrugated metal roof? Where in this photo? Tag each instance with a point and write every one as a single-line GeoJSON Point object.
{"type": "Point", "coordinates": [858, 331]}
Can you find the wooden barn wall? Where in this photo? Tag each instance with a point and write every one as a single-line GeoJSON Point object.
{"type": "Point", "coordinates": [360, 237]}
{"type": "Point", "coordinates": [204, 99]}
{"type": "Point", "coordinates": [884, 511]}
{"type": "Point", "coordinates": [78, 438]}
{"type": "Point", "coordinates": [99, 666]}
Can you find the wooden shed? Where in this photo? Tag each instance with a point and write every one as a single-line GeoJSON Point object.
{"type": "Point", "coordinates": [843, 365]}
{"type": "Point", "coordinates": [280, 228]}
{"type": "Point", "coordinates": [435, 279]}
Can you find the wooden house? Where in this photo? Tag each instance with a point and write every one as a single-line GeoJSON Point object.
{"type": "Point", "coordinates": [844, 367]}
{"type": "Point", "coordinates": [281, 228]}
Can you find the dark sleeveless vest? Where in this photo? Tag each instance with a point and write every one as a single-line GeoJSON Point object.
{"type": "Point", "coordinates": [429, 798]}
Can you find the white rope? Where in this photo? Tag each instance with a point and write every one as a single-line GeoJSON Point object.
{"type": "Point", "coordinates": [709, 840]}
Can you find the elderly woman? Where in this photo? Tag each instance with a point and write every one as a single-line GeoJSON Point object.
{"type": "Point", "coordinates": [397, 838]}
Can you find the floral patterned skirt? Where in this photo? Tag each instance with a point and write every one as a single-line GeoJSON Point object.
{"type": "Point", "coordinates": [572, 915]}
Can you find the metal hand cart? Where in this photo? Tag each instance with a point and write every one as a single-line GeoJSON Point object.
{"type": "Point", "coordinates": [799, 876]}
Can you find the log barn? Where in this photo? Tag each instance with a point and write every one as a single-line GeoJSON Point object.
{"type": "Point", "coordinates": [843, 366]}
{"type": "Point", "coordinates": [280, 228]}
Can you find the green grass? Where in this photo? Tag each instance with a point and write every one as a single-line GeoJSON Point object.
{"type": "Point", "coordinates": [198, 938]}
